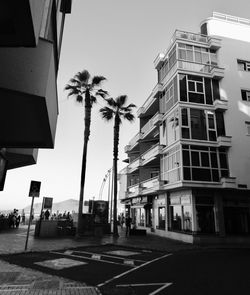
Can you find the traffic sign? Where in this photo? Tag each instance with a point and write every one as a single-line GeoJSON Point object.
{"type": "Point", "coordinates": [34, 188]}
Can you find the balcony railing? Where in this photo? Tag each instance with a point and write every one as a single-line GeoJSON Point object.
{"type": "Point", "coordinates": [224, 141]}
{"type": "Point", "coordinates": [220, 104]}
{"type": "Point", "coordinates": [228, 182]}
{"type": "Point", "coordinates": [133, 142]}
{"type": "Point", "coordinates": [133, 190]}
{"type": "Point", "coordinates": [151, 154]}
{"type": "Point", "coordinates": [151, 185]}
{"type": "Point", "coordinates": [150, 99]}
{"type": "Point", "coordinates": [189, 36]}
{"type": "Point", "coordinates": [151, 124]}
{"type": "Point", "coordinates": [134, 165]}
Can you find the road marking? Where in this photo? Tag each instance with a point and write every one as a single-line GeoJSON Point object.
{"type": "Point", "coordinates": [129, 262]}
{"type": "Point", "coordinates": [96, 256]}
{"type": "Point", "coordinates": [110, 256]}
{"type": "Point", "coordinates": [87, 258]}
{"type": "Point", "coordinates": [163, 286]}
{"type": "Point", "coordinates": [133, 269]}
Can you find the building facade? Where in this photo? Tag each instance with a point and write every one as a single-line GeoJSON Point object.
{"type": "Point", "coordinates": [30, 43]}
{"type": "Point", "coordinates": [189, 164]}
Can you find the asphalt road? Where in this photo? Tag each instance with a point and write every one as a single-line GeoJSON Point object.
{"type": "Point", "coordinates": [118, 270]}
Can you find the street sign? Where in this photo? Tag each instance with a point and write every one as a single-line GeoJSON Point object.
{"type": "Point", "coordinates": [34, 188]}
{"type": "Point", "coordinates": [47, 203]}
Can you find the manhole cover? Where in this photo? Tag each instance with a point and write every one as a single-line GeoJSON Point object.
{"type": "Point", "coordinates": [8, 277]}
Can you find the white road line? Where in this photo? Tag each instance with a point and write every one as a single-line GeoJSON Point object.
{"type": "Point", "coordinates": [139, 285]}
{"type": "Point", "coordinates": [161, 288]}
{"type": "Point", "coordinates": [133, 269]}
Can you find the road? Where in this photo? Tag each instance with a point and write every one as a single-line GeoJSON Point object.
{"type": "Point", "coordinates": [123, 270]}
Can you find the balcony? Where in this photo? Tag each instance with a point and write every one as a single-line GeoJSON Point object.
{"type": "Point", "coordinates": [28, 91]}
{"type": "Point", "coordinates": [228, 182]}
{"type": "Point", "coordinates": [21, 157]}
{"type": "Point", "coordinates": [151, 185]}
{"type": "Point", "coordinates": [214, 43]}
{"type": "Point", "coordinates": [150, 100]}
{"type": "Point", "coordinates": [20, 22]}
{"type": "Point", "coordinates": [151, 124]}
{"type": "Point", "coordinates": [221, 105]}
{"type": "Point", "coordinates": [133, 166]}
{"type": "Point", "coordinates": [159, 60]}
{"type": "Point", "coordinates": [217, 73]}
{"type": "Point", "coordinates": [151, 154]}
{"type": "Point", "coordinates": [187, 36]}
{"type": "Point", "coordinates": [207, 69]}
{"type": "Point", "coordinates": [133, 142]}
{"type": "Point", "coordinates": [224, 141]}
{"type": "Point", "coordinates": [133, 190]}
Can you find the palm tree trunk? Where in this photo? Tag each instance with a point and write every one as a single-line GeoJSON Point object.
{"type": "Point", "coordinates": [115, 160]}
{"type": "Point", "coordinates": [87, 121]}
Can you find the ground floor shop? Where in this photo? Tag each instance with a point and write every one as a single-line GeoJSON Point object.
{"type": "Point", "coordinates": [194, 215]}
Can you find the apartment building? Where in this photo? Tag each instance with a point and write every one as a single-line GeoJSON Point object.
{"type": "Point", "coordinates": [30, 43]}
{"type": "Point", "coordinates": [188, 172]}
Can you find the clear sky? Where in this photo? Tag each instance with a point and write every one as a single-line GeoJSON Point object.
{"type": "Point", "coordinates": [119, 40]}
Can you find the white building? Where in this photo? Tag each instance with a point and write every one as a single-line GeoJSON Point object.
{"type": "Point", "coordinates": [189, 164]}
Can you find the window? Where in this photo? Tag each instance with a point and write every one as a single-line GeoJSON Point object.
{"type": "Point", "coordinates": [204, 163]}
{"type": "Point", "coordinates": [198, 124]}
{"type": "Point", "coordinates": [243, 65]}
{"type": "Point", "coordinates": [180, 213]}
{"type": "Point", "coordinates": [245, 95]}
{"type": "Point", "coordinates": [248, 127]}
{"type": "Point", "coordinates": [198, 89]}
{"type": "Point", "coordinates": [205, 214]}
{"type": "Point", "coordinates": [200, 55]}
{"type": "Point", "coordinates": [161, 218]}
{"type": "Point", "coordinates": [170, 165]}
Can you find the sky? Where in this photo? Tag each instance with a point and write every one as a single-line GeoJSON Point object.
{"type": "Point", "coordinates": [119, 40]}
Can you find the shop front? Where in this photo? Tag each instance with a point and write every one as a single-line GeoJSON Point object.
{"type": "Point", "coordinates": [141, 212]}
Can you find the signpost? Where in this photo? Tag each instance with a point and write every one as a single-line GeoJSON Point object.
{"type": "Point", "coordinates": [34, 193]}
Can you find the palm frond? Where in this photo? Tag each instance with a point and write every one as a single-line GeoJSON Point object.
{"type": "Point", "coordinates": [96, 80]}
{"type": "Point", "coordinates": [92, 99]}
{"type": "Point", "coordinates": [79, 98]}
{"type": "Point", "coordinates": [129, 116]}
{"type": "Point", "coordinates": [102, 93]}
{"type": "Point", "coordinates": [111, 102]}
{"type": "Point", "coordinates": [121, 100]}
{"type": "Point", "coordinates": [107, 113]}
{"type": "Point", "coordinates": [83, 77]}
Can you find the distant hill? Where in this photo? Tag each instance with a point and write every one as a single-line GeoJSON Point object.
{"type": "Point", "coordinates": [67, 205]}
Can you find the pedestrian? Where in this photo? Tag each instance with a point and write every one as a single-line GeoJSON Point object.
{"type": "Point", "coordinates": [128, 221]}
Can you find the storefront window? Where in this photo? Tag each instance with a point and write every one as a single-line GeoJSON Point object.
{"type": "Point", "coordinates": [176, 217]}
{"type": "Point", "coordinates": [162, 217]}
{"type": "Point", "coordinates": [187, 218]}
{"type": "Point", "coordinates": [205, 214]}
{"type": "Point", "coordinates": [180, 213]}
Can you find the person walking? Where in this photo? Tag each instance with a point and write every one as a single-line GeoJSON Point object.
{"type": "Point", "coordinates": [128, 225]}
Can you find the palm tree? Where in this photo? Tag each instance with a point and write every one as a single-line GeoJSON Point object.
{"type": "Point", "coordinates": [116, 109]}
{"type": "Point", "coordinates": [85, 89]}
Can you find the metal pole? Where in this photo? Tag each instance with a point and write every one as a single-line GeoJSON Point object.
{"type": "Point", "coordinates": [111, 199]}
{"type": "Point", "coordinates": [109, 172]}
{"type": "Point", "coordinates": [28, 231]}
